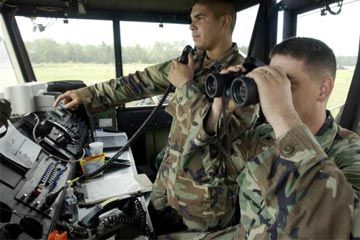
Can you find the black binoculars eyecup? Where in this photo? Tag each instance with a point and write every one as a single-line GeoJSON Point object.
{"type": "Point", "coordinates": [244, 92]}
{"type": "Point", "coordinates": [216, 83]}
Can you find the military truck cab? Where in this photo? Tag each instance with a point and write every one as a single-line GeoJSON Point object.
{"type": "Point", "coordinates": [60, 45]}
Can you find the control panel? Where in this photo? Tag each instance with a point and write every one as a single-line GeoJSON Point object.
{"type": "Point", "coordinates": [35, 166]}
{"type": "Point", "coordinates": [45, 178]}
{"type": "Point", "coordinates": [59, 132]}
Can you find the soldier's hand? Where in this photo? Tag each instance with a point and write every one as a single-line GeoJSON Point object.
{"type": "Point", "coordinates": [71, 100]}
{"type": "Point", "coordinates": [275, 98]}
{"type": "Point", "coordinates": [179, 73]}
{"type": "Point", "coordinates": [235, 68]}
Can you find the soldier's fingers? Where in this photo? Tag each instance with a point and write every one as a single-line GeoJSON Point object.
{"type": "Point", "coordinates": [228, 70]}
{"type": "Point", "coordinates": [257, 75]}
{"type": "Point", "coordinates": [72, 105]}
{"type": "Point", "coordinates": [231, 105]}
{"type": "Point", "coordinates": [172, 66]}
{"type": "Point", "coordinates": [240, 68]}
{"type": "Point", "coordinates": [59, 98]}
{"type": "Point", "coordinates": [274, 74]}
{"type": "Point", "coordinates": [190, 60]}
{"type": "Point", "coordinates": [277, 72]}
{"type": "Point", "coordinates": [235, 68]}
{"type": "Point", "coordinates": [270, 71]}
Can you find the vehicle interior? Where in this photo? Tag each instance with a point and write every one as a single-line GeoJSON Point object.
{"type": "Point", "coordinates": [117, 25]}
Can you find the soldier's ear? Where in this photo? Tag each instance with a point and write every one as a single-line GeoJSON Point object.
{"type": "Point", "coordinates": [226, 21]}
{"type": "Point", "coordinates": [326, 87]}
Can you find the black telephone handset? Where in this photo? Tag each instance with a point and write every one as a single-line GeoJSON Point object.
{"type": "Point", "coordinates": [56, 132]}
{"type": "Point", "coordinates": [183, 59]}
{"type": "Point", "coordinates": [131, 212]}
{"type": "Point", "coordinates": [184, 55]}
{"type": "Point", "coordinates": [52, 136]}
{"type": "Point", "coordinates": [126, 204]}
{"type": "Point", "coordinates": [58, 141]}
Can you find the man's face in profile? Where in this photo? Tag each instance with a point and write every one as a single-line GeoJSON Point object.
{"type": "Point", "coordinates": [205, 27]}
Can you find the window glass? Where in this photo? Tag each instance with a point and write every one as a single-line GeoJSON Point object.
{"type": "Point", "coordinates": [245, 21]}
{"type": "Point", "coordinates": [69, 49]}
{"type": "Point", "coordinates": [280, 27]}
{"type": "Point", "coordinates": [154, 43]}
{"type": "Point", "coordinates": [145, 44]}
{"type": "Point", "coordinates": [340, 33]}
{"type": "Point", "coordinates": [7, 73]}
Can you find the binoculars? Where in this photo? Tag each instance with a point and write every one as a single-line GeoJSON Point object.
{"type": "Point", "coordinates": [242, 90]}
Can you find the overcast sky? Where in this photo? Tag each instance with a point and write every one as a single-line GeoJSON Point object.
{"type": "Point", "coordinates": [340, 32]}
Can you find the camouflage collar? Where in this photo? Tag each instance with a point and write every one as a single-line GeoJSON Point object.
{"type": "Point", "coordinates": [327, 133]}
{"type": "Point", "coordinates": [215, 64]}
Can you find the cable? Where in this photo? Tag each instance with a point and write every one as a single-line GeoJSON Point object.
{"type": "Point", "coordinates": [144, 227]}
{"type": "Point", "coordinates": [34, 128]}
{"type": "Point", "coordinates": [138, 217]}
{"type": "Point", "coordinates": [184, 60]}
{"type": "Point", "coordinates": [132, 139]}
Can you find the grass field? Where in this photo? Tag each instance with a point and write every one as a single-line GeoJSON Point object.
{"type": "Point", "coordinates": [93, 73]}
{"type": "Point", "coordinates": [89, 73]}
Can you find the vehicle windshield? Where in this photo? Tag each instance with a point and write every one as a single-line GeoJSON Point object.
{"type": "Point", "coordinates": [7, 72]}
{"type": "Point", "coordinates": [340, 33]}
{"type": "Point", "coordinates": [81, 49]}
{"type": "Point", "coordinates": [70, 49]}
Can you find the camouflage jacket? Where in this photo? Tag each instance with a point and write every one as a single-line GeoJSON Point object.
{"type": "Point", "coordinates": [172, 188]}
{"type": "Point", "coordinates": [296, 186]}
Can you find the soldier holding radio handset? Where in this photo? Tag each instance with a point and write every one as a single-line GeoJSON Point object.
{"type": "Point", "coordinates": [212, 24]}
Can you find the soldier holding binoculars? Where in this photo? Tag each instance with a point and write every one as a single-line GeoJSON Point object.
{"type": "Point", "coordinates": [300, 164]}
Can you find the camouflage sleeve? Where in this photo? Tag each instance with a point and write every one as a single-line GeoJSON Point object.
{"type": "Point", "coordinates": [347, 159]}
{"type": "Point", "coordinates": [205, 183]}
{"type": "Point", "coordinates": [306, 195]}
{"type": "Point", "coordinates": [346, 156]}
{"type": "Point", "coordinates": [204, 173]}
{"type": "Point", "coordinates": [241, 119]}
{"type": "Point", "coordinates": [188, 105]}
{"type": "Point", "coordinates": [206, 194]}
{"type": "Point", "coordinates": [102, 96]}
{"type": "Point", "coordinates": [194, 194]}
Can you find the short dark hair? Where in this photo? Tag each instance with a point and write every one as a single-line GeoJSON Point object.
{"type": "Point", "coordinates": [221, 8]}
{"type": "Point", "coordinates": [318, 57]}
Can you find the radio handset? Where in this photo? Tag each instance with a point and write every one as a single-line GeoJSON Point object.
{"type": "Point", "coordinates": [105, 216]}
{"type": "Point", "coordinates": [91, 220]}
{"type": "Point", "coordinates": [184, 55]}
{"type": "Point", "coordinates": [184, 60]}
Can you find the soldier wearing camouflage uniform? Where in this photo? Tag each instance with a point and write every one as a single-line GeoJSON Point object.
{"type": "Point", "coordinates": [201, 209]}
{"type": "Point", "coordinates": [300, 174]}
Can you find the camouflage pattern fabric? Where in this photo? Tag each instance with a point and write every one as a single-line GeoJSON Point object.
{"type": "Point", "coordinates": [298, 186]}
{"type": "Point", "coordinates": [201, 205]}
{"type": "Point", "coordinates": [204, 191]}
